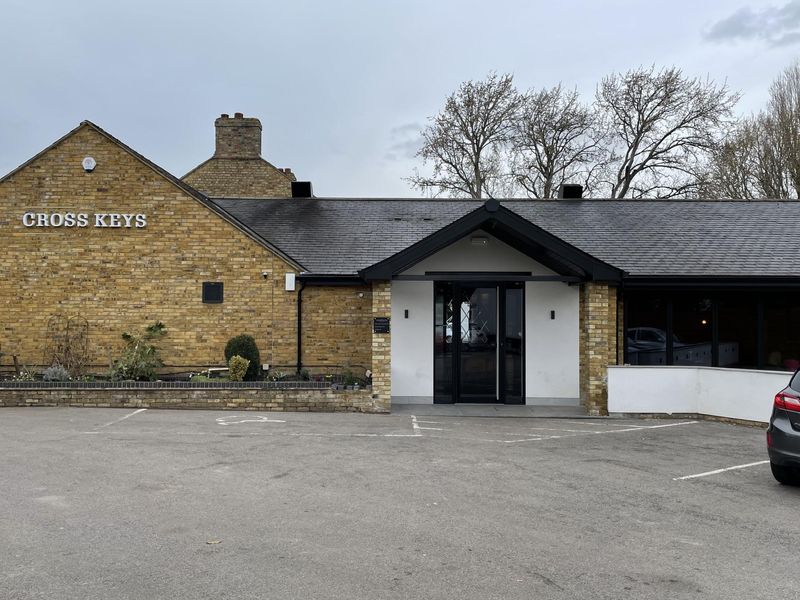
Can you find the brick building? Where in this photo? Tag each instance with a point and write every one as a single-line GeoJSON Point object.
{"type": "Point", "coordinates": [443, 300]}
{"type": "Point", "coordinates": [237, 170]}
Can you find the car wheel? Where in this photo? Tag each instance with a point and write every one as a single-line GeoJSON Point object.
{"type": "Point", "coordinates": [785, 475]}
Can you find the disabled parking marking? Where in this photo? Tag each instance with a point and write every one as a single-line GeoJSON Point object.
{"type": "Point", "coordinates": [415, 424]}
{"type": "Point", "coordinates": [717, 471]}
{"type": "Point", "coordinates": [591, 433]}
{"type": "Point", "coordinates": [228, 420]}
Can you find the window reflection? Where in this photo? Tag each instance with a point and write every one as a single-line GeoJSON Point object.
{"type": "Point", "coordinates": [646, 342]}
{"type": "Point", "coordinates": [691, 327]}
{"type": "Point", "coordinates": [752, 330]}
{"type": "Point", "coordinates": [738, 331]}
{"type": "Point", "coordinates": [781, 333]}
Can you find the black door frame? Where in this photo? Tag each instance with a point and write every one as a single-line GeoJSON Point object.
{"type": "Point", "coordinates": [455, 367]}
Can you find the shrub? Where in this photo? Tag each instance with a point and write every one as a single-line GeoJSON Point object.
{"type": "Point", "coordinates": [350, 378]}
{"type": "Point", "coordinates": [140, 358]}
{"type": "Point", "coordinates": [237, 367]}
{"type": "Point", "coordinates": [56, 373]}
{"type": "Point", "coordinates": [244, 346]}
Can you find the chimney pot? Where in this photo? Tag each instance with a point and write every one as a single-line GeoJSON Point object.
{"type": "Point", "coordinates": [238, 115]}
{"type": "Point", "coordinates": [224, 116]}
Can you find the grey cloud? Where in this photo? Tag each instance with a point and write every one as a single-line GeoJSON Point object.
{"type": "Point", "coordinates": [406, 142]}
{"type": "Point", "coordinates": [774, 25]}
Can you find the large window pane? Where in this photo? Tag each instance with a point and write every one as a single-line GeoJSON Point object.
{"type": "Point", "coordinates": [691, 330]}
{"type": "Point", "coordinates": [646, 337]}
{"type": "Point", "coordinates": [443, 343]}
{"type": "Point", "coordinates": [513, 343]}
{"type": "Point", "coordinates": [738, 330]}
{"type": "Point", "coordinates": [781, 332]}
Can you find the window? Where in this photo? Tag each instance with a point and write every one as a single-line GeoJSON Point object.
{"type": "Point", "coordinates": [738, 331]}
{"type": "Point", "coordinates": [692, 322]}
{"type": "Point", "coordinates": [725, 328]}
{"type": "Point", "coordinates": [781, 332]}
{"type": "Point", "coordinates": [646, 342]}
{"type": "Point", "coordinates": [212, 292]}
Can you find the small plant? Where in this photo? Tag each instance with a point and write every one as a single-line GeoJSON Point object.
{"type": "Point", "coordinates": [244, 346]}
{"type": "Point", "coordinates": [140, 358]}
{"type": "Point", "coordinates": [56, 373]}
{"type": "Point", "coordinates": [305, 375]}
{"type": "Point", "coordinates": [25, 374]}
{"type": "Point", "coordinates": [349, 378]}
{"type": "Point", "coordinates": [237, 367]}
{"type": "Point", "coordinates": [277, 375]}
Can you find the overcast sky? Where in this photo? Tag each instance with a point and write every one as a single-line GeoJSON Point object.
{"type": "Point", "coordinates": [343, 88]}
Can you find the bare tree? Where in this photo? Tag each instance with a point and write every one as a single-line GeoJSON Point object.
{"type": "Point", "coordinates": [783, 117]}
{"type": "Point", "coordinates": [732, 167]}
{"type": "Point", "coordinates": [467, 140]}
{"type": "Point", "coordinates": [662, 126]}
{"type": "Point", "coordinates": [556, 140]}
{"type": "Point", "coordinates": [760, 158]}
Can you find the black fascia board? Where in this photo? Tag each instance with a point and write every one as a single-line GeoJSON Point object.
{"type": "Point", "coordinates": [330, 280]}
{"type": "Point", "coordinates": [705, 282]}
{"type": "Point", "coordinates": [506, 225]}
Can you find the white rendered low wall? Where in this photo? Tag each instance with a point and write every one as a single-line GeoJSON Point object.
{"type": "Point", "coordinates": [731, 393]}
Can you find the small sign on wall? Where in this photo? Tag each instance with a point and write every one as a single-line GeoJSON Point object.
{"type": "Point", "coordinates": [380, 325]}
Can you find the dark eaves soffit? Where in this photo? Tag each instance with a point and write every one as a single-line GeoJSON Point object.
{"type": "Point", "coordinates": [551, 251]}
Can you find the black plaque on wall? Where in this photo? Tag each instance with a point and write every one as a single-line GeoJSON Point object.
{"type": "Point", "coordinates": [380, 325]}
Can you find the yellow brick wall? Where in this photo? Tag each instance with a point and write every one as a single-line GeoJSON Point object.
{"type": "Point", "coordinates": [598, 346]}
{"type": "Point", "coordinates": [240, 178]}
{"type": "Point", "coordinates": [382, 347]}
{"type": "Point", "coordinates": [337, 329]}
{"type": "Point", "coordinates": [126, 278]}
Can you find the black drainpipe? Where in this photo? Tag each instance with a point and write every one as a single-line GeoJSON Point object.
{"type": "Point", "coordinates": [300, 326]}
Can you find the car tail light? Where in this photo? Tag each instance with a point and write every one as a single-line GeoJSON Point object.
{"type": "Point", "coordinates": [787, 401]}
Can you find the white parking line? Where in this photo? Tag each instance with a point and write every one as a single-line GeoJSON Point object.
{"type": "Point", "coordinates": [637, 428]}
{"type": "Point", "coordinates": [417, 428]}
{"type": "Point", "coordinates": [716, 471]}
{"type": "Point", "coordinates": [136, 412]}
{"type": "Point", "coordinates": [236, 419]}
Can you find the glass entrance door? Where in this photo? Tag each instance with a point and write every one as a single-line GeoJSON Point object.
{"type": "Point", "coordinates": [478, 342]}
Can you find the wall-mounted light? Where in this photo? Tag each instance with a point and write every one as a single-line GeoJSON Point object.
{"type": "Point", "coordinates": [479, 240]}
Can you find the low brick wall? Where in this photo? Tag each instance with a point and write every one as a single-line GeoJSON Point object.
{"type": "Point", "coordinates": [259, 398]}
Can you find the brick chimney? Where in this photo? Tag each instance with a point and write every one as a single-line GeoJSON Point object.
{"type": "Point", "coordinates": [238, 137]}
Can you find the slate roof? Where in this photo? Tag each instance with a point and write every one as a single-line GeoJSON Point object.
{"type": "Point", "coordinates": [643, 238]}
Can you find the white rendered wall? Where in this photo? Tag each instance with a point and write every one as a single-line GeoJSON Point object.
{"type": "Point", "coordinates": [552, 360]}
{"type": "Point", "coordinates": [412, 342]}
{"type": "Point", "coordinates": [464, 256]}
{"type": "Point", "coordinates": [733, 393]}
